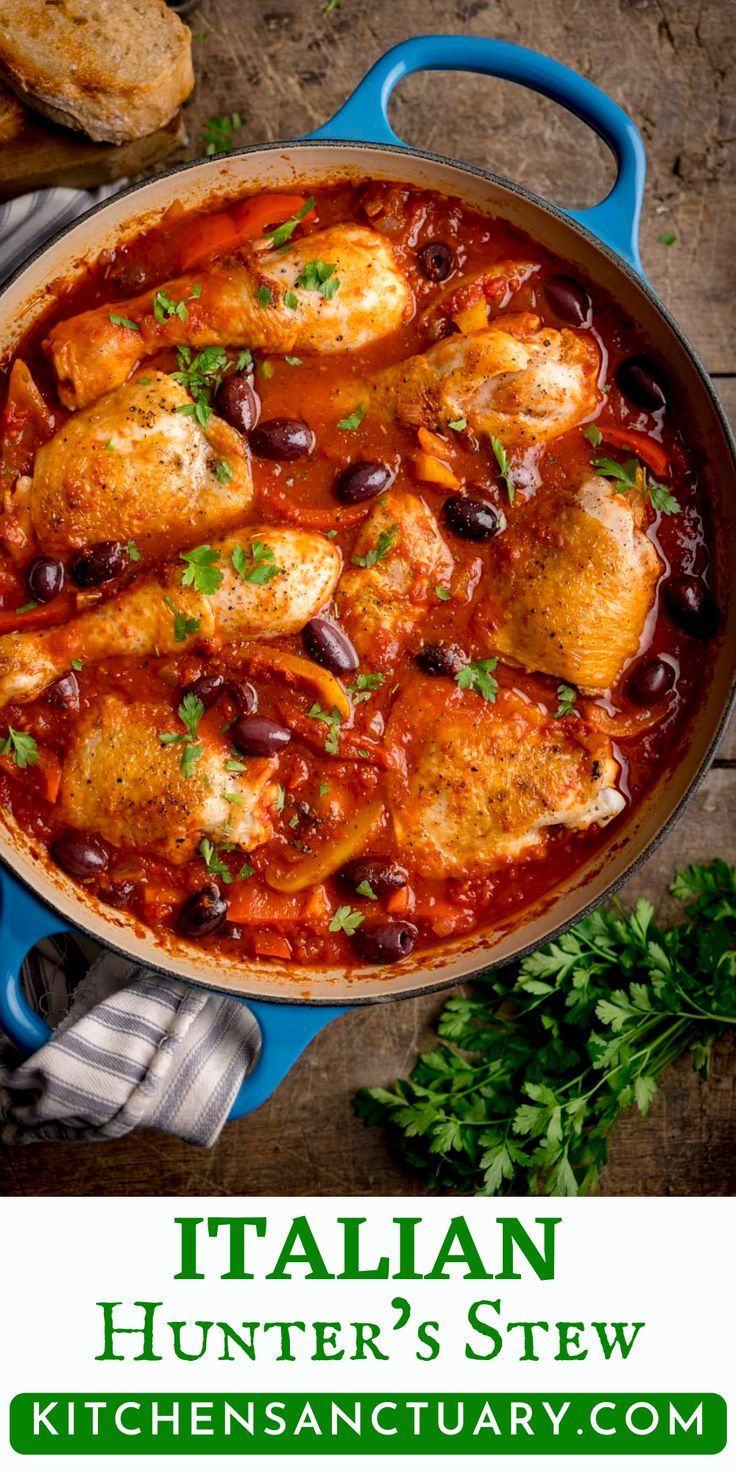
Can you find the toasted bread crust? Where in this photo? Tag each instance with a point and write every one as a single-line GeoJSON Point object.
{"type": "Point", "coordinates": [114, 69]}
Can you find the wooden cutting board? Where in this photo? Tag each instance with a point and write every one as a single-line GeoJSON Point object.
{"type": "Point", "coordinates": [35, 153]}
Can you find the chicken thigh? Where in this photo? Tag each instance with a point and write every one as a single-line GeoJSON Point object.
{"type": "Point", "coordinates": [517, 380]}
{"type": "Point", "coordinates": [570, 594]}
{"type": "Point", "coordinates": [380, 601]}
{"type": "Point", "coordinates": [122, 782]}
{"type": "Point", "coordinates": [272, 581]}
{"type": "Point", "coordinates": [478, 783]}
{"type": "Point", "coordinates": [344, 288]}
{"type": "Point", "coordinates": [135, 467]}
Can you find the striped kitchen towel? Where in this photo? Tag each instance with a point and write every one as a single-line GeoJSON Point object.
{"type": "Point", "coordinates": [130, 1048]}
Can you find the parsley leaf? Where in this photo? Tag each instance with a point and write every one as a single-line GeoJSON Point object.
{"type": "Point", "coordinates": [668, 238]}
{"type": "Point", "coordinates": [184, 627]}
{"type": "Point", "coordinates": [319, 276]}
{"type": "Point", "coordinates": [21, 747]}
{"type": "Point", "coordinates": [119, 321]}
{"type": "Point", "coordinates": [201, 375]}
{"type": "Point", "coordinates": [567, 695]}
{"type": "Point", "coordinates": [332, 719]}
{"type": "Point", "coordinates": [593, 435]}
{"type": "Point", "coordinates": [443, 594]}
{"type": "Point", "coordinates": [215, 865]}
{"type": "Point", "coordinates": [346, 920]}
{"type": "Point", "coordinates": [504, 466]}
{"type": "Point", "coordinates": [291, 301]}
{"type": "Point", "coordinates": [364, 685]}
{"type": "Point", "coordinates": [292, 361]}
{"type": "Point", "coordinates": [365, 890]}
{"type": "Point", "coordinates": [77, 664]}
{"type": "Point", "coordinates": [264, 296]}
{"type": "Point", "coordinates": [165, 306]}
{"type": "Point", "coordinates": [354, 420]}
{"type": "Point", "coordinates": [217, 133]}
{"type": "Point", "coordinates": [281, 233]}
{"type": "Point", "coordinates": [632, 476]}
{"type": "Point", "coordinates": [257, 564]}
{"type": "Point", "coordinates": [133, 552]}
{"type": "Point", "coordinates": [201, 572]}
{"type": "Point", "coordinates": [190, 714]}
{"type": "Point", "coordinates": [383, 546]}
{"type": "Point", "coordinates": [457, 424]}
{"type": "Point", "coordinates": [224, 472]}
{"type": "Point", "coordinates": [478, 675]}
{"type": "Point", "coordinates": [245, 871]}
{"type": "Point", "coordinates": [532, 1072]}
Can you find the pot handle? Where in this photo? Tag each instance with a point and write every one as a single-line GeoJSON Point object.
{"type": "Point", "coordinates": [285, 1030]}
{"type": "Point", "coordinates": [364, 117]}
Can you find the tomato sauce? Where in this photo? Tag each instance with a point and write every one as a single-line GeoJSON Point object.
{"type": "Point", "coordinates": [320, 790]}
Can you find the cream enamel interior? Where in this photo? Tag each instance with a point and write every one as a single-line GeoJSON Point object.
{"type": "Point", "coordinates": [289, 167]}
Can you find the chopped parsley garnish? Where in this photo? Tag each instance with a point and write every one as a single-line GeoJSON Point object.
{"type": "Point", "coordinates": [190, 714]}
{"type": "Point", "coordinates": [201, 571]}
{"type": "Point", "coordinates": [504, 466]}
{"type": "Point", "coordinates": [364, 685]}
{"type": "Point", "coordinates": [632, 476]}
{"type": "Point", "coordinates": [281, 233]}
{"type": "Point", "coordinates": [215, 865]}
{"type": "Point", "coordinates": [457, 424]}
{"type": "Point", "coordinates": [144, 382]}
{"type": "Point", "coordinates": [292, 361]}
{"type": "Point", "coordinates": [201, 375]}
{"type": "Point", "coordinates": [119, 321]}
{"type": "Point", "coordinates": [364, 889]}
{"type": "Point", "coordinates": [332, 719]}
{"type": "Point", "coordinates": [133, 552]}
{"type": "Point", "coordinates": [257, 564]}
{"type": "Point", "coordinates": [280, 799]}
{"type": "Point", "coordinates": [165, 306]}
{"type": "Point", "coordinates": [443, 594]}
{"type": "Point", "coordinates": [478, 675]}
{"type": "Point", "coordinates": [28, 607]}
{"type": "Point", "coordinates": [345, 919]}
{"type": "Point", "coordinates": [77, 664]}
{"type": "Point", "coordinates": [245, 871]}
{"type": "Point", "coordinates": [593, 435]}
{"type": "Point", "coordinates": [354, 420]}
{"type": "Point", "coordinates": [668, 238]}
{"type": "Point", "coordinates": [234, 764]}
{"type": "Point", "coordinates": [224, 471]}
{"type": "Point", "coordinates": [264, 296]}
{"type": "Point", "coordinates": [217, 133]}
{"type": "Point", "coordinates": [21, 747]}
{"type": "Point", "coordinates": [184, 627]}
{"type": "Point", "coordinates": [324, 788]}
{"type": "Point", "coordinates": [291, 300]}
{"type": "Point", "coordinates": [567, 695]}
{"type": "Point", "coordinates": [111, 445]}
{"type": "Point", "coordinates": [266, 368]}
{"type": "Point", "coordinates": [319, 276]}
{"type": "Point", "coordinates": [383, 547]}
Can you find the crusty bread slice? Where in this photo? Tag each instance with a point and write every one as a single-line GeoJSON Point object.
{"type": "Point", "coordinates": [114, 69]}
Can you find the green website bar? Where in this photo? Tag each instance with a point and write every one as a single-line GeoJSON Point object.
{"type": "Point", "coordinates": [306, 1424]}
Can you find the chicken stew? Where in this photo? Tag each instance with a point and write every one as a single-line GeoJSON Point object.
{"type": "Point", "coordinates": [354, 575]}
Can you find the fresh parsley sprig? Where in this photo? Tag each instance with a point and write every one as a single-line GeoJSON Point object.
{"type": "Point", "coordinates": [201, 572]}
{"type": "Point", "coordinates": [478, 675]}
{"type": "Point", "coordinates": [532, 1075]}
{"type": "Point", "coordinates": [281, 233]}
{"type": "Point", "coordinates": [319, 276]}
{"type": "Point", "coordinates": [21, 747]}
{"type": "Point", "coordinates": [632, 476]}
{"type": "Point", "coordinates": [504, 468]}
{"type": "Point", "coordinates": [383, 546]}
{"type": "Point", "coordinates": [257, 564]}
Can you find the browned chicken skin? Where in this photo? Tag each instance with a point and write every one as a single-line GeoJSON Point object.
{"type": "Point", "coordinates": [241, 304]}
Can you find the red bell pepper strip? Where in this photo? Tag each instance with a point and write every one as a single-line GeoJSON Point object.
{"type": "Point", "coordinates": [212, 235]}
{"type": "Point", "coordinates": [642, 445]}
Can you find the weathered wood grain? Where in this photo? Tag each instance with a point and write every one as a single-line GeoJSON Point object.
{"type": "Point", "coordinates": [285, 67]}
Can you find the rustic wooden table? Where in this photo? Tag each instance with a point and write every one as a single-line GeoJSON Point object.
{"type": "Point", "coordinates": [285, 67]}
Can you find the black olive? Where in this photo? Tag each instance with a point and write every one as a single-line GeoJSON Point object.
{"type": "Point", "coordinates": [440, 659]}
{"type": "Point", "coordinates": [207, 688]}
{"type": "Point", "coordinates": [282, 439]}
{"type": "Point", "coordinates": [64, 692]}
{"type": "Point", "coordinates": [118, 893]}
{"type": "Point", "coordinates": [650, 680]}
{"type": "Point", "coordinates": [690, 605]}
{"type": "Point", "coordinates": [259, 736]}
{"type": "Point", "coordinates": [245, 696]}
{"type": "Point", "coordinates": [382, 875]}
{"type": "Point", "coordinates": [45, 579]}
{"type": "Point", "coordinates": [203, 912]}
{"type": "Point", "coordinates": [473, 519]}
{"type": "Point", "coordinates": [389, 940]}
{"type": "Point", "coordinates": [569, 300]}
{"type": "Point", "coordinates": [80, 855]}
{"type": "Point", "coordinates": [237, 401]}
{"type": "Point", "coordinates": [97, 564]}
{"type": "Point", "coordinates": [436, 260]}
{"type": "Point", "coordinates": [362, 481]}
{"type": "Point", "coordinates": [327, 645]}
{"type": "Point", "coordinates": [643, 383]}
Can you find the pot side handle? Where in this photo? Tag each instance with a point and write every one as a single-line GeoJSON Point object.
{"type": "Point", "coordinates": [364, 117]}
{"type": "Point", "coordinates": [285, 1030]}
